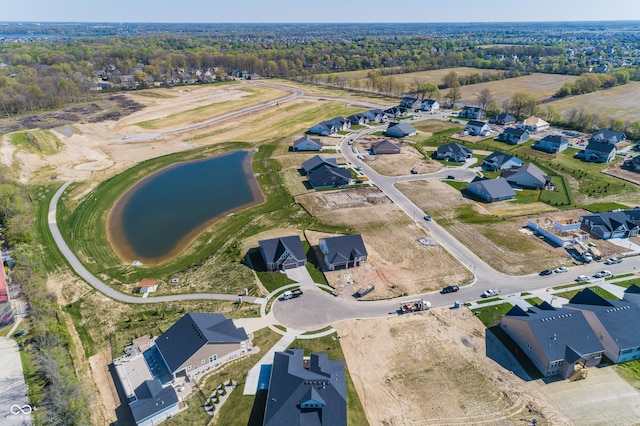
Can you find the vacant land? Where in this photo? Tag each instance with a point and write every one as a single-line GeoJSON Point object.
{"type": "Point", "coordinates": [397, 262]}
{"type": "Point", "coordinates": [434, 76]}
{"type": "Point", "coordinates": [541, 86]}
{"type": "Point", "coordinates": [398, 164]}
{"type": "Point", "coordinates": [619, 103]}
{"type": "Point", "coordinates": [431, 369]}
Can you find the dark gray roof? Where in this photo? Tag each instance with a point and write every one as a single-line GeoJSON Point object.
{"type": "Point", "coordinates": [400, 129]}
{"type": "Point", "coordinates": [607, 135]}
{"type": "Point", "coordinates": [476, 123]}
{"type": "Point", "coordinates": [496, 188]}
{"type": "Point", "coordinates": [610, 221]}
{"type": "Point", "coordinates": [152, 398]}
{"type": "Point", "coordinates": [429, 101]}
{"type": "Point", "coordinates": [307, 138]}
{"type": "Point", "coordinates": [514, 131]}
{"type": "Point", "coordinates": [291, 385]}
{"type": "Point", "coordinates": [455, 149]}
{"type": "Point", "coordinates": [275, 247]}
{"type": "Point", "coordinates": [506, 118]}
{"type": "Point", "coordinates": [385, 146]}
{"type": "Point", "coordinates": [500, 158]}
{"type": "Point", "coordinates": [192, 332]}
{"type": "Point", "coordinates": [326, 175]}
{"type": "Point", "coordinates": [526, 168]}
{"type": "Point", "coordinates": [602, 147]}
{"type": "Point", "coordinates": [345, 247]}
{"type": "Point", "coordinates": [317, 161]}
{"type": "Point", "coordinates": [471, 108]}
{"type": "Point", "coordinates": [557, 328]}
{"type": "Point", "coordinates": [618, 317]}
{"type": "Point", "coordinates": [633, 289]}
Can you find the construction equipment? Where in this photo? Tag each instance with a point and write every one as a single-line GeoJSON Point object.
{"type": "Point", "coordinates": [416, 305]}
{"type": "Point", "coordinates": [579, 372]}
{"type": "Point", "coordinates": [363, 291]}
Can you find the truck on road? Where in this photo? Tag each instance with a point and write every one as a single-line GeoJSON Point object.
{"type": "Point", "coordinates": [416, 305]}
{"type": "Point", "coordinates": [291, 294]}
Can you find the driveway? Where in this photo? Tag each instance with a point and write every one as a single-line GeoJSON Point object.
{"type": "Point", "coordinates": [14, 408]}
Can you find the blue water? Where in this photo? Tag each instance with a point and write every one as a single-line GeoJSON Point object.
{"type": "Point", "coordinates": [265, 375]}
{"type": "Point", "coordinates": [166, 210]}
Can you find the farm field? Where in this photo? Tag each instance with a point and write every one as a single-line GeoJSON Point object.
{"type": "Point", "coordinates": [434, 76]}
{"type": "Point", "coordinates": [541, 86]}
{"type": "Point", "coordinates": [618, 103]}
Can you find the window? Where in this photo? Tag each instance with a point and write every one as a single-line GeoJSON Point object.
{"type": "Point", "coordinates": [213, 358]}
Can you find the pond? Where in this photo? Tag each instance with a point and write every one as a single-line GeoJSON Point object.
{"type": "Point", "coordinates": [162, 214]}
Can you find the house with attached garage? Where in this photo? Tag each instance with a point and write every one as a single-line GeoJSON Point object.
{"type": "Point", "coordinates": [609, 136]}
{"type": "Point", "coordinates": [430, 105]}
{"type": "Point", "coordinates": [198, 342]}
{"type": "Point", "coordinates": [307, 143]}
{"type": "Point", "coordinates": [358, 119]}
{"type": "Point", "coordinates": [327, 176]}
{"type": "Point", "coordinates": [557, 340]}
{"type": "Point", "coordinates": [376, 115]}
{"type": "Point", "coordinates": [282, 253]}
{"type": "Point", "coordinates": [477, 128]}
{"type": "Point", "coordinates": [345, 251]}
{"type": "Point", "coordinates": [410, 103]}
{"type": "Point", "coordinates": [306, 392]}
{"type": "Point", "coordinates": [633, 164]}
{"type": "Point", "coordinates": [491, 190]}
{"type": "Point", "coordinates": [324, 128]}
{"type": "Point", "coordinates": [527, 176]}
{"type": "Point", "coordinates": [153, 403]}
{"type": "Point", "coordinates": [454, 152]}
{"type": "Point", "coordinates": [618, 224]}
{"type": "Point", "coordinates": [615, 322]}
{"type": "Point", "coordinates": [500, 161]}
{"type": "Point", "coordinates": [513, 136]}
{"type": "Point", "coordinates": [340, 123]}
{"type": "Point", "coordinates": [385, 147]}
{"type": "Point", "coordinates": [551, 144]}
{"type": "Point", "coordinates": [400, 130]}
{"type": "Point", "coordinates": [598, 152]}
{"type": "Point", "coordinates": [533, 124]}
{"type": "Point", "coordinates": [395, 112]}
{"type": "Point", "coordinates": [471, 112]}
{"type": "Point", "coordinates": [502, 119]}
{"type": "Point", "coordinates": [317, 161]}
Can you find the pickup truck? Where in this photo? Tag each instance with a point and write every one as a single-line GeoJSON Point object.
{"type": "Point", "coordinates": [291, 294]}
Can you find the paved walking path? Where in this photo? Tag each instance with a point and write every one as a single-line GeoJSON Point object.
{"type": "Point", "coordinates": [253, 377]}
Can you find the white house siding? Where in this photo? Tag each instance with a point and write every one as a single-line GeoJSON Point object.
{"type": "Point", "coordinates": [222, 350]}
{"type": "Point", "coordinates": [547, 234]}
{"type": "Point", "coordinates": [307, 146]}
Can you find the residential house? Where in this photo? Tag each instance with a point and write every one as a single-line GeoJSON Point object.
{"type": "Point", "coordinates": [556, 340]}
{"type": "Point", "coordinates": [500, 161]}
{"type": "Point", "coordinates": [340, 123]}
{"type": "Point", "coordinates": [551, 144]}
{"type": "Point", "coordinates": [633, 164]}
{"type": "Point", "coordinates": [502, 119]}
{"type": "Point", "coordinates": [147, 285]}
{"type": "Point", "coordinates": [395, 112]}
{"type": "Point", "coordinates": [618, 224]}
{"type": "Point", "coordinates": [477, 128]}
{"type": "Point", "coordinates": [534, 124]}
{"type": "Point", "coordinates": [615, 322]}
{"type": "Point", "coordinates": [632, 294]}
{"type": "Point", "coordinates": [282, 253]}
{"type": "Point", "coordinates": [376, 115]}
{"type": "Point", "coordinates": [317, 161]}
{"type": "Point", "coordinates": [327, 176]}
{"type": "Point", "coordinates": [609, 136]}
{"type": "Point", "coordinates": [527, 176]}
{"type": "Point", "coordinates": [471, 112]}
{"type": "Point", "coordinates": [307, 143]}
{"type": "Point", "coordinates": [400, 130]}
{"type": "Point", "coordinates": [513, 136]}
{"type": "Point", "coordinates": [491, 190]}
{"type": "Point", "coordinates": [305, 393]}
{"type": "Point", "coordinates": [598, 152]}
{"type": "Point", "coordinates": [153, 403]}
{"type": "Point", "coordinates": [345, 251]}
{"type": "Point", "coordinates": [358, 119]}
{"type": "Point", "coordinates": [324, 128]}
{"type": "Point", "coordinates": [385, 147]}
{"type": "Point", "coordinates": [453, 152]}
{"type": "Point", "coordinates": [430, 105]}
{"type": "Point", "coordinates": [198, 342]}
{"type": "Point", "coordinates": [410, 103]}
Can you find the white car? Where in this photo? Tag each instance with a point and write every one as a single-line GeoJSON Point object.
{"type": "Point", "coordinates": [560, 269]}
{"type": "Point", "coordinates": [582, 278]}
{"type": "Point", "coordinates": [612, 261]}
{"type": "Point", "coordinates": [491, 292]}
{"type": "Point", "coordinates": [603, 274]}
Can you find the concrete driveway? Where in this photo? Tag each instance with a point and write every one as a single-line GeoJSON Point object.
{"type": "Point", "coordinates": [14, 408]}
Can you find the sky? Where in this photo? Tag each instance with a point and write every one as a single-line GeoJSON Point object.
{"type": "Point", "coordinates": [221, 11]}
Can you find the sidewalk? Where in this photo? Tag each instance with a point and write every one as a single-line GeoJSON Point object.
{"type": "Point", "coordinates": [253, 377]}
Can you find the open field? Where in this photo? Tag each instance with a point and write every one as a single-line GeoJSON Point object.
{"type": "Point", "coordinates": [397, 262]}
{"type": "Point", "coordinates": [398, 164]}
{"type": "Point", "coordinates": [618, 103]}
{"type": "Point", "coordinates": [434, 76]}
{"type": "Point", "coordinates": [541, 86]}
{"type": "Point", "coordinates": [431, 368]}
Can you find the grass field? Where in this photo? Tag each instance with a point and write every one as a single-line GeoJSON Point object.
{"type": "Point", "coordinates": [491, 315]}
{"type": "Point", "coordinates": [41, 142]}
{"type": "Point", "coordinates": [603, 207]}
{"type": "Point", "coordinates": [619, 103]}
{"type": "Point", "coordinates": [434, 76]}
{"type": "Point", "coordinates": [597, 290]}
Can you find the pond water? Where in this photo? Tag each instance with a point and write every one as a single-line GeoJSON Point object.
{"type": "Point", "coordinates": [158, 217]}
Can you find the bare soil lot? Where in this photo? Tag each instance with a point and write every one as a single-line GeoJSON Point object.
{"type": "Point", "coordinates": [616, 170]}
{"type": "Point", "coordinates": [397, 262]}
{"type": "Point", "coordinates": [431, 368]}
{"type": "Point", "coordinates": [398, 164]}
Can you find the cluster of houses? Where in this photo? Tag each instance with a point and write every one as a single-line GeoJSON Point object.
{"type": "Point", "coordinates": [564, 340]}
{"type": "Point", "coordinates": [333, 126]}
{"type": "Point", "coordinates": [341, 252]}
{"type": "Point", "coordinates": [613, 224]}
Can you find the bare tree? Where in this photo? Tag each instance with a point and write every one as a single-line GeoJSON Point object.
{"type": "Point", "coordinates": [484, 98]}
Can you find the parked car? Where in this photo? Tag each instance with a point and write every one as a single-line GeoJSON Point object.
{"type": "Point", "coordinates": [490, 293]}
{"type": "Point", "coordinates": [602, 274]}
{"type": "Point", "coordinates": [546, 272]}
{"type": "Point", "coordinates": [451, 177]}
{"type": "Point", "coordinates": [582, 278]}
{"type": "Point", "coordinates": [427, 218]}
{"type": "Point", "coordinates": [560, 269]}
{"type": "Point", "coordinates": [612, 261]}
{"type": "Point", "coordinates": [450, 289]}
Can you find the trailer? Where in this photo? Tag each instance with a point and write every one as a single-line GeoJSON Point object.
{"type": "Point", "coordinates": [416, 305]}
{"type": "Point", "coordinates": [363, 291]}
{"type": "Point", "coordinates": [291, 294]}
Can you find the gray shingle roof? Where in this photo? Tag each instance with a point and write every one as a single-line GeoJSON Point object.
{"type": "Point", "coordinates": [325, 175]}
{"type": "Point", "coordinates": [499, 158]}
{"type": "Point", "coordinates": [633, 289]}
{"type": "Point", "coordinates": [455, 149]}
{"type": "Point", "coordinates": [152, 398]}
{"type": "Point", "coordinates": [527, 168]}
{"type": "Point", "coordinates": [514, 131]}
{"type": "Point", "coordinates": [556, 139]}
{"type": "Point", "coordinates": [557, 328]}
{"type": "Point", "coordinates": [400, 129]}
{"type": "Point", "coordinates": [385, 146]}
{"type": "Point", "coordinates": [317, 161]}
{"type": "Point", "coordinates": [290, 385]}
{"type": "Point", "coordinates": [305, 139]}
{"type": "Point", "coordinates": [602, 147]}
{"type": "Point", "coordinates": [345, 247]}
{"type": "Point", "coordinates": [608, 135]}
{"type": "Point", "coordinates": [192, 332]}
{"type": "Point", "coordinates": [610, 221]}
{"type": "Point", "coordinates": [275, 247]}
{"type": "Point", "coordinates": [496, 188]}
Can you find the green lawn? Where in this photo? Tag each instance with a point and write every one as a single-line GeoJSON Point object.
{"type": "Point", "coordinates": [603, 207]}
{"type": "Point", "coordinates": [331, 345]}
{"type": "Point", "coordinates": [456, 184]}
{"type": "Point", "coordinates": [630, 371]}
{"type": "Point", "coordinates": [627, 283]}
{"type": "Point", "coordinates": [561, 196]}
{"type": "Point", "coordinates": [489, 300]}
{"type": "Point", "coordinates": [560, 287]}
{"type": "Point", "coordinates": [75, 311]}
{"type": "Point", "coordinates": [597, 290]}
{"type": "Point", "coordinates": [491, 315]}
{"type": "Point", "coordinates": [467, 214]}
{"type": "Point", "coordinates": [534, 300]}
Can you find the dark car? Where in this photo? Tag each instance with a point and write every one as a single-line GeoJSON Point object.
{"type": "Point", "coordinates": [546, 272]}
{"type": "Point", "coordinates": [427, 218]}
{"type": "Point", "coordinates": [450, 289]}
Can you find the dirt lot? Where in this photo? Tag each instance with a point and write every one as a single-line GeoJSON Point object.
{"type": "Point", "coordinates": [397, 262]}
{"type": "Point", "coordinates": [616, 170]}
{"type": "Point", "coordinates": [431, 369]}
{"type": "Point", "coordinates": [398, 164]}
